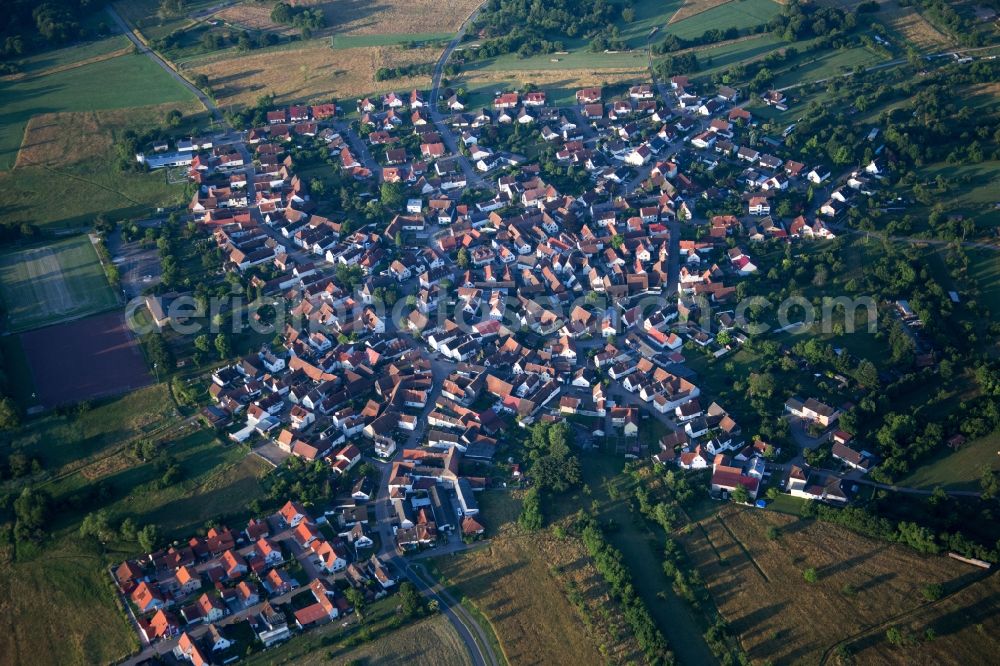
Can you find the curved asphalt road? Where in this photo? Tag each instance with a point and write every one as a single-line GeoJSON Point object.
{"type": "Point", "coordinates": [202, 97]}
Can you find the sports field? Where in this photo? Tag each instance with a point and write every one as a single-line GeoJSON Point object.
{"type": "Point", "coordinates": [85, 359]}
{"type": "Point", "coordinates": [45, 284]}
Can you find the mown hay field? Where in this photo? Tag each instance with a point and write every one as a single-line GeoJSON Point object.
{"type": "Point", "coordinates": [430, 642]}
{"type": "Point", "coordinates": [911, 26]}
{"type": "Point", "coordinates": [759, 587]}
{"type": "Point", "coordinates": [314, 72]}
{"type": "Point", "coordinates": [960, 630]}
{"type": "Point", "coordinates": [393, 16]}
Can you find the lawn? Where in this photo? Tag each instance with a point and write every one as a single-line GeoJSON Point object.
{"type": "Point", "coordinates": [759, 587]}
{"type": "Point", "coordinates": [958, 470]}
{"type": "Point", "coordinates": [122, 82]}
{"type": "Point", "coordinates": [43, 284]}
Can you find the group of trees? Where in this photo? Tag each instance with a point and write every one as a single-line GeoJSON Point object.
{"type": "Point", "coordinates": [526, 28]}
{"type": "Point", "coordinates": [215, 40]}
{"type": "Point", "coordinates": [30, 25]}
{"type": "Point", "coordinates": [684, 63]}
{"type": "Point", "coordinates": [935, 126]}
{"type": "Point", "coordinates": [415, 69]}
{"type": "Point", "coordinates": [301, 480]}
{"type": "Point", "coordinates": [553, 468]}
{"type": "Point", "coordinates": [99, 525]}
{"type": "Point", "coordinates": [672, 42]}
{"type": "Point", "coordinates": [301, 17]}
{"type": "Point", "coordinates": [803, 21]}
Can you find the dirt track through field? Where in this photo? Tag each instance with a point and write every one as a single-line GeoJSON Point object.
{"type": "Point", "coordinates": [52, 296]}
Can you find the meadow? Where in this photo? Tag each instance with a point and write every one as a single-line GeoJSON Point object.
{"type": "Point", "coordinates": [808, 67]}
{"type": "Point", "coordinates": [43, 284]}
{"type": "Point", "coordinates": [741, 14]}
{"type": "Point", "coordinates": [122, 82]}
{"type": "Point", "coordinates": [957, 470]}
{"type": "Point", "coordinates": [985, 267]}
{"type": "Point", "coordinates": [66, 170]}
{"type": "Point", "coordinates": [975, 192]}
{"type": "Point", "coordinates": [56, 59]}
{"type": "Point", "coordinates": [715, 58]}
{"type": "Point", "coordinates": [560, 86]}
{"type": "Point", "coordinates": [908, 25]}
{"type": "Point", "coordinates": [759, 586]}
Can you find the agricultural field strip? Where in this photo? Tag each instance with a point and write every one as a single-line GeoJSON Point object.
{"type": "Point", "coordinates": [742, 546]}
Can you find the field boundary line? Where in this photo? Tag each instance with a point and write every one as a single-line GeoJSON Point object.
{"type": "Point", "coordinates": [64, 320]}
{"type": "Point", "coordinates": [742, 547]}
{"type": "Point", "coordinates": [58, 69]}
{"type": "Point", "coordinates": [708, 540]}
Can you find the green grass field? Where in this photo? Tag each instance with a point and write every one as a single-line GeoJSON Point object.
{"type": "Point", "coordinates": [717, 58]}
{"type": "Point", "coordinates": [122, 82]}
{"type": "Point", "coordinates": [44, 284]}
{"type": "Point", "coordinates": [975, 193]}
{"type": "Point", "coordinates": [958, 470]}
{"type": "Point", "coordinates": [46, 60]}
{"type": "Point", "coordinates": [808, 68]}
{"type": "Point", "coordinates": [740, 14]}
